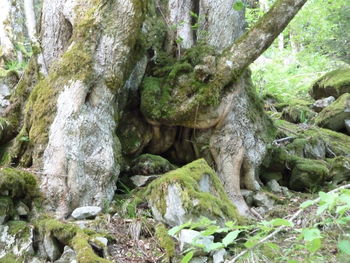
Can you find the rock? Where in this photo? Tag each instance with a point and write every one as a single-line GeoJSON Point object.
{"type": "Point", "coordinates": [333, 117]}
{"type": "Point", "coordinates": [347, 125]}
{"type": "Point", "coordinates": [268, 176]}
{"type": "Point", "coordinates": [248, 196]}
{"type": "Point", "coordinates": [320, 104]}
{"type": "Point", "coordinates": [199, 260]}
{"type": "Point", "coordinates": [142, 180]}
{"type": "Point", "coordinates": [149, 164]}
{"type": "Point", "coordinates": [263, 200]}
{"type": "Point", "coordinates": [22, 209]}
{"type": "Point", "coordinates": [297, 114]}
{"type": "Point", "coordinates": [86, 212]}
{"type": "Point", "coordinates": [184, 194]}
{"type": "Point", "coordinates": [307, 174]}
{"type": "Point", "coordinates": [339, 169]}
{"type": "Point", "coordinates": [274, 186]}
{"type": "Point", "coordinates": [7, 84]}
{"type": "Point", "coordinates": [334, 83]}
{"type": "Point", "coordinates": [16, 238]}
{"type": "Point", "coordinates": [52, 247]}
{"type": "Point", "coordinates": [219, 256]}
{"type": "Point", "coordinates": [68, 256]}
{"type": "Point", "coordinates": [6, 209]}
{"type": "Point", "coordinates": [134, 133]}
{"type": "Point", "coordinates": [100, 244]}
{"type": "Point", "coordinates": [187, 237]}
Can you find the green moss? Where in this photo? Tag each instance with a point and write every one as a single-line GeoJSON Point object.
{"type": "Point", "coordinates": [20, 184]}
{"type": "Point", "coordinates": [308, 174]}
{"type": "Point", "coordinates": [6, 206]}
{"type": "Point", "coordinates": [71, 235]}
{"type": "Point", "coordinates": [297, 114]}
{"type": "Point", "coordinates": [188, 178]}
{"type": "Point", "coordinates": [166, 242]}
{"type": "Point", "coordinates": [334, 83]}
{"type": "Point", "coordinates": [20, 229]}
{"type": "Point", "coordinates": [339, 169]}
{"type": "Point", "coordinates": [10, 258]}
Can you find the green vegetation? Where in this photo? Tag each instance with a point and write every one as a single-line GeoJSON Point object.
{"type": "Point", "coordinates": [314, 43]}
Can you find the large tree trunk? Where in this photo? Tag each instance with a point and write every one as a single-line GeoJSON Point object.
{"type": "Point", "coordinates": [94, 56]}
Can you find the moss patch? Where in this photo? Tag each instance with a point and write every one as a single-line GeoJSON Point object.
{"type": "Point", "coordinates": [165, 241]}
{"type": "Point", "coordinates": [334, 83]}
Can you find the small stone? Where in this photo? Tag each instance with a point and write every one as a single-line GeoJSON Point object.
{"type": "Point", "coordinates": [86, 212]}
{"type": "Point", "coordinates": [262, 200]}
{"type": "Point", "coordinates": [219, 256]}
{"type": "Point", "coordinates": [68, 256]}
{"type": "Point", "coordinates": [142, 180]}
{"type": "Point", "coordinates": [319, 105]}
{"type": "Point", "coordinates": [199, 260]}
{"type": "Point", "coordinates": [274, 186]}
{"type": "Point", "coordinates": [22, 209]}
{"type": "Point", "coordinates": [102, 240]}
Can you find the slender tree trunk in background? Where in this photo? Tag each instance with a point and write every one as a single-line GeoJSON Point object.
{"type": "Point", "coordinates": [7, 47]}
{"type": "Point", "coordinates": [91, 50]}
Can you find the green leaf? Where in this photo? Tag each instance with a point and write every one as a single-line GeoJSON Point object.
{"type": "Point", "coordinates": [321, 209]}
{"type": "Point", "coordinates": [213, 246]}
{"type": "Point", "coordinates": [173, 231]}
{"type": "Point", "coordinates": [310, 234]}
{"type": "Point", "coordinates": [307, 204]}
{"type": "Point", "coordinates": [292, 261]}
{"type": "Point", "coordinates": [210, 230]}
{"type": "Point", "coordinates": [187, 257]}
{"type": "Point", "coordinates": [313, 245]}
{"type": "Point", "coordinates": [238, 6]}
{"type": "Point", "coordinates": [230, 237]}
{"type": "Point", "coordinates": [251, 242]}
{"type": "Point", "coordinates": [281, 222]}
{"type": "Point", "coordinates": [344, 246]}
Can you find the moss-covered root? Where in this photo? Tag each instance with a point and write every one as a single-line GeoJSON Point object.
{"type": "Point", "coordinates": [73, 236]}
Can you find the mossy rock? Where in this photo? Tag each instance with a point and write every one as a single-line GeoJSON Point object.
{"type": "Point", "coordinates": [165, 240]}
{"type": "Point", "coordinates": [334, 83]}
{"type": "Point", "coordinates": [148, 164]}
{"type": "Point", "coordinates": [339, 169]}
{"type": "Point", "coordinates": [333, 117]}
{"type": "Point", "coordinates": [134, 133]}
{"type": "Point", "coordinates": [73, 236]}
{"type": "Point", "coordinates": [187, 193]}
{"type": "Point", "coordinates": [19, 184]}
{"type": "Point", "coordinates": [308, 174]}
{"type": "Point", "coordinates": [292, 103]}
{"type": "Point", "coordinates": [298, 114]}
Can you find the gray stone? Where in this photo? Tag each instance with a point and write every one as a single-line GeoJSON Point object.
{"type": "Point", "coordinates": [187, 237]}
{"type": "Point", "coordinates": [20, 244]}
{"type": "Point", "coordinates": [51, 247]}
{"type": "Point", "coordinates": [262, 200]}
{"type": "Point", "coordinates": [320, 104]}
{"type": "Point", "coordinates": [219, 256]}
{"type": "Point", "coordinates": [142, 180]}
{"type": "Point", "coordinates": [22, 209]}
{"type": "Point", "coordinates": [347, 125]}
{"type": "Point", "coordinates": [315, 150]}
{"type": "Point", "coordinates": [248, 196]}
{"type": "Point", "coordinates": [334, 115]}
{"type": "Point", "coordinates": [274, 186]}
{"type": "Point", "coordinates": [86, 212]}
{"type": "Point", "coordinates": [68, 256]}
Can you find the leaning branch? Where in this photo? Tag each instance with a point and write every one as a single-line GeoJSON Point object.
{"type": "Point", "coordinates": [252, 44]}
{"type": "Point", "coordinates": [347, 186]}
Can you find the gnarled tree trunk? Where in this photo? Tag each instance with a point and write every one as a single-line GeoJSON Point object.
{"type": "Point", "coordinates": [175, 67]}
